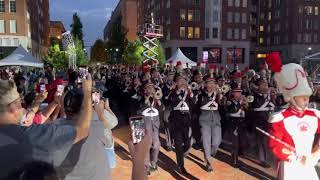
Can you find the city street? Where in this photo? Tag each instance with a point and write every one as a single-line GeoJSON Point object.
{"type": "Point", "coordinates": [194, 164]}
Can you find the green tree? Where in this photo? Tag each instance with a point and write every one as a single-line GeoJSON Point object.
{"type": "Point", "coordinates": [56, 57]}
{"type": "Point", "coordinates": [82, 59]}
{"type": "Point", "coordinates": [160, 51]}
{"type": "Point", "coordinates": [76, 28]}
{"type": "Point", "coordinates": [98, 51]}
{"type": "Point", "coordinates": [133, 53]}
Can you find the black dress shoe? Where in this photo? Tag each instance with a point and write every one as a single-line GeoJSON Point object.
{"type": "Point", "coordinates": [196, 146]}
{"type": "Point", "coordinates": [182, 170]}
{"type": "Point", "coordinates": [209, 168]}
{"type": "Point", "coordinates": [265, 165]}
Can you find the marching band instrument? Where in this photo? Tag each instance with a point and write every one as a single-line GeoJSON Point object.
{"type": "Point", "coordinates": [225, 89]}
{"type": "Point", "coordinates": [194, 86]}
{"type": "Point", "coordinates": [250, 99]}
{"type": "Point", "coordinates": [158, 94]}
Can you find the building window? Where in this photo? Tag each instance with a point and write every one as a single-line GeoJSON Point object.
{"type": "Point", "coordinates": [182, 14]}
{"type": "Point", "coordinates": [269, 16]}
{"type": "Point", "coordinates": [215, 33]}
{"type": "Point", "coordinates": [2, 6]}
{"type": "Point", "coordinates": [190, 15]}
{"type": "Point", "coordinates": [308, 10]}
{"type": "Point", "coordinates": [168, 4]}
{"type": "Point", "coordinates": [262, 16]}
{"type": "Point", "coordinates": [236, 33]}
{"type": "Point", "coordinates": [2, 26]}
{"type": "Point", "coordinates": [13, 26]}
{"type": "Point", "coordinates": [277, 14]}
{"type": "Point", "coordinates": [307, 38]}
{"type": "Point", "coordinates": [197, 15]}
{"type": "Point", "coordinates": [196, 2]}
{"type": "Point", "coordinates": [215, 16]}
{"type": "Point", "coordinates": [309, 24]}
{"type": "Point", "coordinates": [244, 18]}
{"type": "Point", "coordinates": [315, 38]}
{"type": "Point", "coordinates": [237, 17]}
{"type": "Point", "coordinates": [278, 2]}
{"type": "Point", "coordinates": [13, 7]}
{"type": "Point", "coordinates": [182, 32]}
{"type": "Point", "coordinates": [261, 40]}
{"type": "Point", "coordinates": [315, 25]}
{"type": "Point", "coordinates": [230, 3]}
{"type": "Point", "coordinates": [316, 10]}
{"type": "Point", "coordinates": [277, 27]}
{"type": "Point", "coordinates": [268, 41]}
{"type": "Point", "coordinates": [229, 33]}
{"type": "Point", "coordinates": [270, 3]}
{"type": "Point", "coordinates": [244, 3]}
{"type": "Point", "coordinates": [299, 38]}
{"type": "Point", "coordinates": [261, 28]}
{"type": "Point", "coordinates": [207, 33]}
{"type": "Point", "coordinates": [269, 28]}
{"type": "Point", "coordinates": [215, 2]}
{"type": "Point", "coordinates": [230, 17]}
{"type": "Point", "coordinates": [244, 34]}
{"type": "Point", "coordinates": [276, 40]}
{"type": "Point", "coordinates": [197, 32]}
{"type": "Point", "coordinates": [15, 41]}
{"type": "Point", "coordinates": [237, 3]}
{"type": "Point", "coordinates": [190, 32]}
{"type": "Point", "coordinates": [300, 9]}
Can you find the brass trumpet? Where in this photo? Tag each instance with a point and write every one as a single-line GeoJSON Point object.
{"type": "Point", "coordinates": [158, 94]}
{"type": "Point", "coordinates": [250, 99]}
{"type": "Point", "coordinates": [194, 86]}
{"type": "Point", "coordinates": [225, 89]}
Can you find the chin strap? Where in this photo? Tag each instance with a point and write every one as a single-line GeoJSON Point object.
{"type": "Point", "coordinates": [293, 102]}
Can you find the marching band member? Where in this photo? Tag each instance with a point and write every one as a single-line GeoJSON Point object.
{"type": "Point", "coordinates": [149, 109]}
{"type": "Point", "coordinates": [293, 130]}
{"type": "Point", "coordinates": [166, 90]}
{"type": "Point", "coordinates": [135, 96]}
{"type": "Point", "coordinates": [179, 119]}
{"type": "Point", "coordinates": [236, 107]}
{"type": "Point", "coordinates": [210, 120]}
{"type": "Point", "coordinates": [212, 71]}
{"type": "Point", "coordinates": [196, 87]}
{"type": "Point", "coordinates": [262, 107]}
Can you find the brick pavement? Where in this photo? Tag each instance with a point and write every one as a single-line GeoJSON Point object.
{"type": "Point", "coordinates": [194, 164]}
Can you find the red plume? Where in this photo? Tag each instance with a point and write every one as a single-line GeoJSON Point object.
{"type": "Point", "coordinates": [179, 63]}
{"type": "Point", "coordinates": [274, 61]}
{"type": "Point", "coordinates": [212, 66]}
{"type": "Point", "coordinates": [146, 69]}
{"type": "Point", "coordinates": [222, 68]}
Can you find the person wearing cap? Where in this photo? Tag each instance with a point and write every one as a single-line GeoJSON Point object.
{"type": "Point", "coordinates": [212, 71]}
{"type": "Point", "coordinates": [135, 96]}
{"type": "Point", "coordinates": [167, 90]}
{"type": "Point", "coordinates": [180, 101]}
{"type": "Point", "coordinates": [262, 107]}
{"type": "Point", "coordinates": [209, 120]}
{"type": "Point", "coordinates": [196, 134]}
{"type": "Point", "coordinates": [295, 126]}
{"type": "Point", "coordinates": [236, 107]}
{"type": "Point", "coordinates": [149, 109]}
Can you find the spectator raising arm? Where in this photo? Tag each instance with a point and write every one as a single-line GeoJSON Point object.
{"type": "Point", "coordinates": [84, 121]}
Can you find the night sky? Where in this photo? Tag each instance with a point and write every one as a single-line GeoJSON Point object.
{"type": "Point", "coordinates": [94, 15]}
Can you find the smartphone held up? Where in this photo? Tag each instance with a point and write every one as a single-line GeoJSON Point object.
{"type": "Point", "coordinates": [138, 128]}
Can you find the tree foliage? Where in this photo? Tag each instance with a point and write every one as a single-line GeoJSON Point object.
{"type": "Point", "coordinates": [133, 53]}
{"type": "Point", "coordinates": [98, 52]}
{"type": "Point", "coordinates": [76, 28]}
{"type": "Point", "coordinates": [56, 57]}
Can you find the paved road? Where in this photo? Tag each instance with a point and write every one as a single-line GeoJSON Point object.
{"type": "Point", "coordinates": [194, 164]}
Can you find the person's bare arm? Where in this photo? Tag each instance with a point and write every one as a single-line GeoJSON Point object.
{"type": "Point", "coordinates": [84, 121]}
{"type": "Point", "coordinates": [139, 153]}
{"type": "Point", "coordinates": [100, 108]}
{"type": "Point", "coordinates": [38, 100]}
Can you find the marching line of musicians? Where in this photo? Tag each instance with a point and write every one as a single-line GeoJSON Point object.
{"type": "Point", "coordinates": [198, 107]}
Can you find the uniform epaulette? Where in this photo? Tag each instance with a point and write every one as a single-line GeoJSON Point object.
{"type": "Point", "coordinates": [277, 117]}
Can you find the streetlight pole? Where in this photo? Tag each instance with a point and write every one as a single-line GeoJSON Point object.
{"type": "Point", "coordinates": [309, 62]}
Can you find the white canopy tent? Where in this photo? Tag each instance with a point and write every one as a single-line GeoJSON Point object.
{"type": "Point", "coordinates": [179, 56]}
{"type": "Point", "coordinates": [20, 57]}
